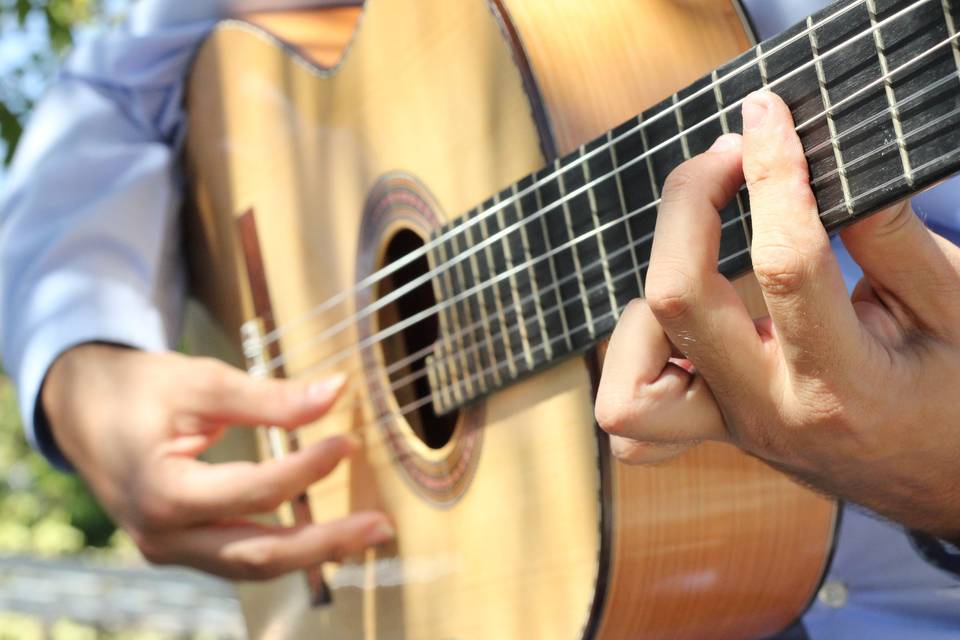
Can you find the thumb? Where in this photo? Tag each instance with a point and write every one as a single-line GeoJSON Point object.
{"type": "Point", "coordinates": [903, 259]}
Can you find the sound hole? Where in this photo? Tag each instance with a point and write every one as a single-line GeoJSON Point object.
{"type": "Point", "coordinates": [409, 379]}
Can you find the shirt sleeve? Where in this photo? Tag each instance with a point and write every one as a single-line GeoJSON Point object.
{"type": "Point", "coordinates": [89, 229]}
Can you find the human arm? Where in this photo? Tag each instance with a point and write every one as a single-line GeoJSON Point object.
{"type": "Point", "coordinates": [90, 254]}
{"type": "Point", "coordinates": [856, 396]}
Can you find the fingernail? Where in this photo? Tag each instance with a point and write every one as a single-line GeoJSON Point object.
{"type": "Point", "coordinates": [755, 107]}
{"type": "Point", "coordinates": [724, 144]}
{"type": "Point", "coordinates": [323, 389]}
{"type": "Point", "coordinates": [379, 534]}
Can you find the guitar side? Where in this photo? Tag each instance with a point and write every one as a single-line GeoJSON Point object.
{"type": "Point", "coordinates": [547, 536]}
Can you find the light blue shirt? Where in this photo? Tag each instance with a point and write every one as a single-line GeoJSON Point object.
{"type": "Point", "coordinates": [89, 251]}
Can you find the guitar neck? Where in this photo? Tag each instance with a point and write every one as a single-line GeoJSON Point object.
{"type": "Point", "coordinates": [541, 270]}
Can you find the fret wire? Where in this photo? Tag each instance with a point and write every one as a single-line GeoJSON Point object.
{"type": "Point", "coordinates": [452, 317]}
{"type": "Point", "coordinates": [681, 130]}
{"type": "Point", "coordinates": [649, 157]}
{"type": "Point", "coordinates": [725, 126]}
{"type": "Point", "coordinates": [945, 159]}
{"type": "Point", "coordinates": [492, 267]}
{"type": "Point", "coordinates": [601, 245]}
{"type": "Point", "coordinates": [464, 305]}
{"type": "Point", "coordinates": [561, 183]}
{"type": "Point", "coordinates": [392, 267]}
{"type": "Point", "coordinates": [620, 276]}
{"type": "Point", "coordinates": [879, 150]}
{"type": "Point", "coordinates": [831, 126]}
{"type": "Point", "coordinates": [595, 288]}
{"type": "Point", "coordinates": [534, 286]}
{"type": "Point", "coordinates": [762, 64]}
{"type": "Point", "coordinates": [952, 30]}
{"type": "Point", "coordinates": [515, 294]}
{"type": "Point", "coordinates": [553, 268]}
{"type": "Point", "coordinates": [474, 308]}
{"type": "Point", "coordinates": [409, 408]}
{"type": "Point", "coordinates": [889, 91]}
{"type": "Point", "coordinates": [482, 305]}
{"type": "Point", "coordinates": [872, 84]}
{"type": "Point", "coordinates": [623, 275]}
{"type": "Point", "coordinates": [338, 356]}
{"type": "Point", "coordinates": [738, 254]}
{"type": "Point", "coordinates": [902, 103]}
{"type": "Point", "coordinates": [614, 163]}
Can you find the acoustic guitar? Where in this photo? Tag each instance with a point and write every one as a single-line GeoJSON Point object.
{"type": "Point", "coordinates": [452, 201]}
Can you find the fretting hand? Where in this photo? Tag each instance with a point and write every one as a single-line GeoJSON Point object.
{"type": "Point", "coordinates": [132, 423]}
{"type": "Point", "coordinates": [856, 396]}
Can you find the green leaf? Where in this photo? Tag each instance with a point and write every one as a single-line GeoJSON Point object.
{"type": "Point", "coordinates": [10, 131]}
{"type": "Point", "coordinates": [23, 8]}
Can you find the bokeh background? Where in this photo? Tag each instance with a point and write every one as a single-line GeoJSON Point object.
{"type": "Point", "coordinates": [66, 572]}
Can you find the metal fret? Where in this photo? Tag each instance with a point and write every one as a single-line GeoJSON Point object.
{"type": "Point", "coordinates": [553, 272]}
{"type": "Point", "coordinates": [725, 125]}
{"type": "Point", "coordinates": [952, 29]}
{"type": "Point", "coordinates": [491, 265]}
{"type": "Point", "coordinates": [678, 114]}
{"type": "Point", "coordinates": [623, 208]}
{"type": "Point", "coordinates": [647, 154]}
{"type": "Point", "coordinates": [889, 92]}
{"type": "Point", "coordinates": [515, 293]}
{"type": "Point", "coordinates": [494, 368]}
{"type": "Point", "coordinates": [475, 347]}
{"type": "Point", "coordinates": [454, 327]}
{"type": "Point", "coordinates": [762, 64]}
{"type": "Point", "coordinates": [534, 288]}
{"type": "Point", "coordinates": [831, 126]}
{"type": "Point", "coordinates": [614, 307]}
{"type": "Point", "coordinates": [573, 252]}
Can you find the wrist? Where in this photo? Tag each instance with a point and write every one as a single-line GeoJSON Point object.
{"type": "Point", "coordinates": [60, 409]}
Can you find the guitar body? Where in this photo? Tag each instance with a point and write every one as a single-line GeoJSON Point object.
{"type": "Point", "coordinates": [514, 521]}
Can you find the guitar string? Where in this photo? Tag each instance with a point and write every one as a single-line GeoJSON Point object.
{"type": "Point", "coordinates": [377, 276]}
{"type": "Point", "coordinates": [349, 322]}
{"type": "Point", "coordinates": [423, 401]}
{"type": "Point", "coordinates": [427, 399]}
{"type": "Point", "coordinates": [475, 346]}
{"type": "Point", "coordinates": [327, 361]}
{"type": "Point", "coordinates": [415, 405]}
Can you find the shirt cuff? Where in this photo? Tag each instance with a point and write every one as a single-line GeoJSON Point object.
{"type": "Point", "coordinates": [96, 310]}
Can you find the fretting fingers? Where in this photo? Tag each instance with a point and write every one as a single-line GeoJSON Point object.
{"type": "Point", "coordinates": [644, 397]}
{"type": "Point", "coordinates": [696, 306]}
{"type": "Point", "coordinates": [799, 277]}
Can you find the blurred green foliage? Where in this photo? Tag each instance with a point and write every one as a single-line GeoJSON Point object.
{"type": "Point", "coordinates": [42, 511]}
{"type": "Point", "coordinates": [45, 30]}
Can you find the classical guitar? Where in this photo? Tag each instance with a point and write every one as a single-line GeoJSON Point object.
{"type": "Point", "coordinates": [452, 201]}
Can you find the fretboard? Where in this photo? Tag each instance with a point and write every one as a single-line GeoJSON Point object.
{"type": "Point", "coordinates": [542, 270]}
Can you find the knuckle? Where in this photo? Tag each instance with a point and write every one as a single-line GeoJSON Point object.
{"type": "Point", "coordinates": [670, 295]}
{"type": "Point", "coordinates": [613, 414]}
{"type": "Point", "coordinates": [780, 269]}
{"type": "Point", "coordinates": [264, 498]}
{"type": "Point", "coordinates": [255, 561]}
{"type": "Point", "coordinates": [680, 183]}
